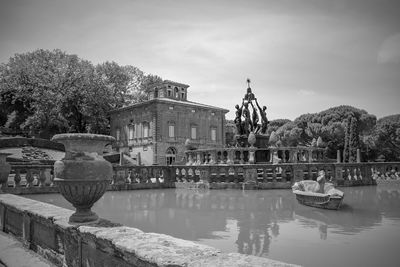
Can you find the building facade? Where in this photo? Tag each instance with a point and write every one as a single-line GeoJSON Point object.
{"type": "Point", "coordinates": [155, 131]}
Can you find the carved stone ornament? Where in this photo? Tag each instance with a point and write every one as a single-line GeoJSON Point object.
{"type": "Point", "coordinates": [83, 175]}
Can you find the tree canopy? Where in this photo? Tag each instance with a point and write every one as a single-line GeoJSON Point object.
{"type": "Point", "coordinates": [48, 92]}
{"type": "Point", "coordinates": [385, 138]}
{"type": "Point", "coordinates": [328, 125]}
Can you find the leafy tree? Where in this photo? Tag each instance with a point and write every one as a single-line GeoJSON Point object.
{"type": "Point", "coordinates": [275, 124]}
{"type": "Point", "coordinates": [48, 92]}
{"type": "Point", "coordinates": [329, 124]}
{"type": "Point", "coordinates": [386, 137]}
{"type": "Point", "coordinates": [346, 147]}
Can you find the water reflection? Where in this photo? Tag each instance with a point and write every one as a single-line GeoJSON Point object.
{"type": "Point", "coordinates": [265, 223]}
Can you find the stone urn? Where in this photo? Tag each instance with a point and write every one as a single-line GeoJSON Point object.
{"type": "Point", "coordinates": [5, 169]}
{"type": "Point", "coordinates": [83, 175]}
{"type": "Point", "coordinates": [251, 139]}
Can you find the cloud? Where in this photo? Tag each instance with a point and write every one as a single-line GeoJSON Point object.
{"type": "Point", "coordinates": [305, 92]}
{"type": "Point", "coordinates": [389, 51]}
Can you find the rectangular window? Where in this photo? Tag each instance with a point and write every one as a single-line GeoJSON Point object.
{"type": "Point", "coordinates": [193, 132]}
{"type": "Point", "coordinates": [213, 134]}
{"type": "Point", "coordinates": [118, 134]}
{"type": "Point", "coordinates": [171, 131]}
{"type": "Point", "coordinates": [145, 130]}
{"type": "Point", "coordinates": [131, 131]}
{"type": "Point", "coordinates": [139, 130]}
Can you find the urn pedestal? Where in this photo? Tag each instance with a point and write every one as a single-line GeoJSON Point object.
{"type": "Point", "coordinates": [5, 169]}
{"type": "Point", "coordinates": [83, 175]}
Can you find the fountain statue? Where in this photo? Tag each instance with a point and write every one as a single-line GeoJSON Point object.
{"type": "Point", "coordinates": [249, 126]}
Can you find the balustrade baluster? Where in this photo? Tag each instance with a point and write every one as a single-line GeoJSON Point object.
{"type": "Point", "coordinates": [241, 157]}
{"type": "Point", "coordinates": [29, 178]}
{"type": "Point", "coordinates": [274, 171]}
{"type": "Point", "coordinates": [17, 178]}
{"type": "Point", "coordinates": [42, 178]}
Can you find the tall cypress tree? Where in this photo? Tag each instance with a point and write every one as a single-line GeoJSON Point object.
{"type": "Point", "coordinates": [354, 140]}
{"type": "Point", "coordinates": [346, 141]}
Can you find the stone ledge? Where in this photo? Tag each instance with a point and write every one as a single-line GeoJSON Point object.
{"type": "Point", "coordinates": [105, 243]}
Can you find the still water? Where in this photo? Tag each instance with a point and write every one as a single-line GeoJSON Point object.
{"type": "Point", "coordinates": [269, 223]}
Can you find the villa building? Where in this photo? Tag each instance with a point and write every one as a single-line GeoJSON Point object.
{"type": "Point", "coordinates": [155, 131]}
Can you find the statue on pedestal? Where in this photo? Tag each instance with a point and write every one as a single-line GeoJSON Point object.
{"type": "Point", "coordinates": [250, 122]}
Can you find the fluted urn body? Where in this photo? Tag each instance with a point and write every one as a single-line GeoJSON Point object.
{"type": "Point", "coordinates": [5, 169]}
{"type": "Point", "coordinates": [83, 175]}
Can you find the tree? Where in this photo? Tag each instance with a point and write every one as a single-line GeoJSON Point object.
{"type": "Point", "coordinates": [346, 147]}
{"type": "Point", "coordinates": [386, 137]}
{"type": "Point", "coordinates": [354, 140]}
{"type": "Point", "coordinates": [49, 92]}
{"type": "Point", "coordinates": [330, 125]}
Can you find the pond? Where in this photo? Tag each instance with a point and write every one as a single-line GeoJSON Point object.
{"type": "Point", "coordinates": [266, 223]}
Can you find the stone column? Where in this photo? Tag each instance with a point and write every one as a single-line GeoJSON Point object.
{"type": "Point", "coordinates": [358, 156]}
{"type": "Point", "coordinates": [338, 156]}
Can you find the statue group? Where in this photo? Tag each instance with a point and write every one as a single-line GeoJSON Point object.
{"type": "Point", "coordinates": [247, 121]}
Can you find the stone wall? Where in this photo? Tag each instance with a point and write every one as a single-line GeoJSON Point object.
{"type": "Point", "coordinates": [44, 228]}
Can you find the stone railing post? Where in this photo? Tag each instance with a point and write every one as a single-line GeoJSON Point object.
{"type": "Point", "coordinates": [338, 177]}
{"type": "Point", "coordinates": [298, 173]}
{"type": "Point", "coordinates": [337, 156]}
{"type": "Point", "coordinates": [17, 178]}
{"type": "Point", "coordinates": [252, 158]}
{"type": "Point", "coordinates": [42, 178]}
{"type": "Point", "coordinates": [5, 169]}
{"type": "Point", "coordinates": [230, 157]}
{"type": "Point", "coordinates": [29, 178]}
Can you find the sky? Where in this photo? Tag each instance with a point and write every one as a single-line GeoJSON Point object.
{"type": "Point", "coordinates": [302, 56]}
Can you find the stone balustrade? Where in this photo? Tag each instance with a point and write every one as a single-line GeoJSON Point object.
{"type": "Point", "coordinates": [30, 179]}
{"type": "Point", "coordinates": [141, 177]}
{"type": "Point", "coordinates": [38, 178]}
{"type": "Point", "coordinates": [249, 155]}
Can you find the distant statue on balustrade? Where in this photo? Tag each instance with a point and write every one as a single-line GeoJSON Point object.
{"type": "Point", "coordinates": [264, 120]}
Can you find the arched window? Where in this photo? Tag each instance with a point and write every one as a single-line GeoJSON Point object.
{"type": "Point", "coordinates": [170, 155]}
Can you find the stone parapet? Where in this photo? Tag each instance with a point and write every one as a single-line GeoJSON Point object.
{"type": "Point", "coordinates": [45, 229]}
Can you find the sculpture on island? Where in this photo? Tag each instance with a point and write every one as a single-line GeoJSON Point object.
{"type": "Point", "coordinates": [83, 175]}
{"type": "Point", "coordinates": [250, 122]}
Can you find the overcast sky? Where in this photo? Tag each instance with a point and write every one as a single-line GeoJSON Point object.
{"type": "Point", "coordinates": [303, 56]}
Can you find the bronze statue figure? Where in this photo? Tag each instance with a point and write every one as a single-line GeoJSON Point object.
{"type": "Point", "coordinates": [264, 120]}
{"type": "Point", "coordinates": [238, 119]}
{"type": "Point", "coordinates": [254, 126]}
{"type": "Point", "coordinates": [247, 119]}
